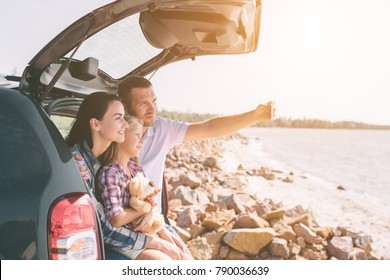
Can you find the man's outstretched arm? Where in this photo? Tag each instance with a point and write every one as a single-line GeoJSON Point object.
{"type": "Point", "coordinates": [223, 125]}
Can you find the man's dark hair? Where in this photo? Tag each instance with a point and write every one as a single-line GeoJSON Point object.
{"type": "Point", "coordinates": [132, 82]}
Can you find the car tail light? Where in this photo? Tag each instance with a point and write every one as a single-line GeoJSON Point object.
{"type": "Point", "coordinates": [73, 229]}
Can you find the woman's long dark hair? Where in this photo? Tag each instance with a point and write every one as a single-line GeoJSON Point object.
{"type": "Point", "coordinates": [95, 106]}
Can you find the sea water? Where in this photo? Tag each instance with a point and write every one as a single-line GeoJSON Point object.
{"type": "Point", "coordinates": [357, 160]}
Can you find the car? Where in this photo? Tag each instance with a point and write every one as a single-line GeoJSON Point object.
{"type": "Point", "coordinates": [46, 212]}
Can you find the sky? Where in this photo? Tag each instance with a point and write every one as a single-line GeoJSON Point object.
{"type": "Point", "coordinates": [322, 59]}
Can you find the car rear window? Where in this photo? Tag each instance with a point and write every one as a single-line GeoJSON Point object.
{"type": "Point", "coordinates": [119, 48]}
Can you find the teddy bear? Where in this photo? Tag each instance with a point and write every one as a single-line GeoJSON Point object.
{"type": "Point", "coordinates": [142, 194]}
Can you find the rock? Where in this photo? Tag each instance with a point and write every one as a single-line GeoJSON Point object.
{"type": "Point", "coordinates": [188, 196]}
{"type": "Point", "coordinates": [246, 199]}
{"type": "Point", "coordinates": [288, 180]}
{"type": "Point", "coordinates": [220, 178]}
{"type": "Point", "coordinates": [278, 248]}
{"type": "Point", "coordinates": [210, 207]}
{"type": "Point", "coordinates": [233, 202]}
{"type": "Point", "coordinates": [266, 173]}
{"type": "Point", "coordinates": [345, 231]}
{"type": "Point", "coordinates": [236, 255]}
{"type": "Point", "coordinates": [359, 254]}
{"type": "Point", "coordinates": [174, 203]}
{"type": "Point", "coordinates": [199, 249]}
{"type": "Point", "coordinates": [324, 232]}
{"type": "Point", "coordinates": [214, 237]}
{"type": "Point", "coordinates": [211, 162]}
{"type": "Point", "coordinates": [217, 219]}
{"type": "Point", "coordinates": [235, 182]}
{"type": "Point", "coordinates": [224, 251]}
{"type": "Point", "coordinates": [190, 179]}
{"type": "Point", "coordinates": [200, 197]}
{"type": "Point", "coordinates": [341, 247]}
{"type": "Point", "coordinates": [184, 235]}
{"type": "Point", "coordinates": [315, 247]}
{"type": "Point", "coordinates": [263, 255]}
{"type": "Point", "coordinates": [250, 220]}
{"type": "Point", "coordinates": [309, 254]}
{"type": "Point", "coordinates": [249, 241]}
{"type": "Point", "coordinates": [276, 214]}
{"type": "Point", "coordinates": [295, 211]}
{"type": "Point", "coordinates": [186, 218]}
{"type": "Point", "coordinates": [302, 219]}
{"type": "Point", "coordinates": [363, 242]}
{"type": "Point", "coordinates": [269, 176]}
{"type": "Point", "coordinates": [283, 230]}
{"type": "Point", "coordinates": [196, 230]}
{"type": "Point", "coordinates": [261, 208]}
{"type": "Point", "coordinates": [278, 171]}
{"type": "Point", "coordinates": [308, 235]}
{"type": "Point", "coordinates": [184, 194]}
{"type": "Point", "coordinates": [295, 249]}
{"type": "Point", "coordinates": [301, 242]}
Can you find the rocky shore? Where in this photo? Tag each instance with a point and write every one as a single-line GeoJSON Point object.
{"type": "Point", "coordinates": [218, 218]}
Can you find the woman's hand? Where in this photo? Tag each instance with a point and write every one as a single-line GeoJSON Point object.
{"type": "Point", "coordinates": [81, 165]}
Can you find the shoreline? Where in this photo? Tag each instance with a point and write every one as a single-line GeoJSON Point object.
{"type": "Point", "coordinates": [329, 205]}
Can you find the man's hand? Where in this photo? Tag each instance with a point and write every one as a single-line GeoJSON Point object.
{"type": "Point", "coordinates": [266, 112]}
{"type": "Point", "coordinates": [223, 125]}
{"type": "Point", "coordinates": [81, 164]}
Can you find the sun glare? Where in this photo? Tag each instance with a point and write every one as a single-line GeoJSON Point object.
{"type": "Point", "coordinates": [314, 37]}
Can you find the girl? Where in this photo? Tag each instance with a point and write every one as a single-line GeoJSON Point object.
{"type": "Point", "coordinates": [119, 166]}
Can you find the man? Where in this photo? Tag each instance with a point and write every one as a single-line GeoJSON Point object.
{"type": "Point", "coordinates": [160, 134]}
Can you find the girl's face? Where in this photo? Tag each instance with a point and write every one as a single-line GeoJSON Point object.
{"type": "Point", "coordinates": [112, 126]}
{"type": "Point", "coordinates": [133, 140]}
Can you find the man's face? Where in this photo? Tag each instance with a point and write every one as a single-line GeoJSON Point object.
{"type": "Point", "coordinates": [143, 105]}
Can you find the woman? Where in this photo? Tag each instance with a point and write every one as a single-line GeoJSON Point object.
{"type": "Point", "coordinates": [119, 166]}
{"type": "Point", "coordinates": [99, 123]}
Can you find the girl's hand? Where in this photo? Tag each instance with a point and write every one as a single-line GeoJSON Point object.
{"type": "Point", "coordinates": [144, 223]}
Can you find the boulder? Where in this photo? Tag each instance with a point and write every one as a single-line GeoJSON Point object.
{"type": "Point", "coordinates": [249, 241]}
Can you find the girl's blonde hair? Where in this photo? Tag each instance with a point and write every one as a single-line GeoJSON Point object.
{"type": "Point", "coordinates": [111, 154]}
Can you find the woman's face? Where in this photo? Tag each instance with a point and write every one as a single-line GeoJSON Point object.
{"type": "Point", "coordinates": [112, 126]}
{"type": "Point", "coordinates": [133, 140]}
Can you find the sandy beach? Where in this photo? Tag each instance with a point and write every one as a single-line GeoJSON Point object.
{"type": "Point", "coordinates": [329, 205]}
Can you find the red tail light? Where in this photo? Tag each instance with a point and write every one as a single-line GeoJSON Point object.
{"type": "Point", "coordinates": [73, 229]}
